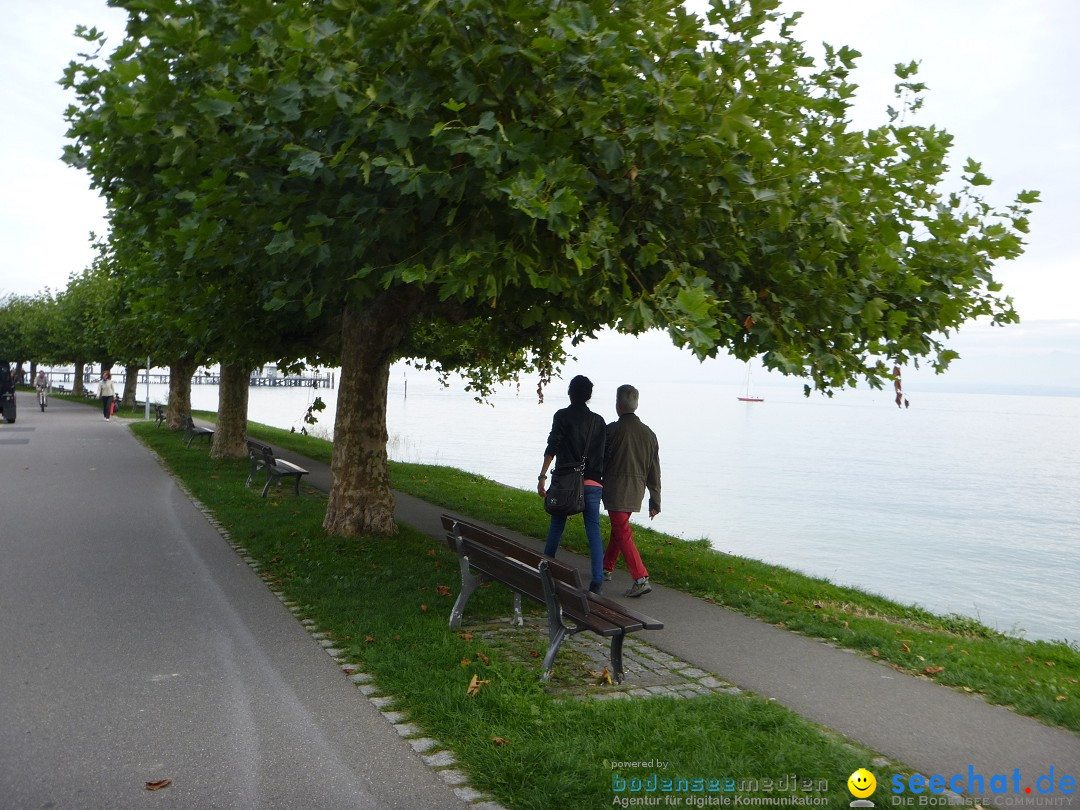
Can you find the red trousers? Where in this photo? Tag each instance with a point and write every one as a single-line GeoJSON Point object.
{"type": "Point", "coordinates": [622, 542]}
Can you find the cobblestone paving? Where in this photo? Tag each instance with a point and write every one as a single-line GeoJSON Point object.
{"type": "Point", "coordinates": [584, 660]}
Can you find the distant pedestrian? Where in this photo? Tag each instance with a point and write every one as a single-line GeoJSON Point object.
{"type": "Point", "coordinates": [577, 433]}
{"type": "Point", "coordinates": [631, 464]}
{"type": "Point", "coordinates": [106, 392]}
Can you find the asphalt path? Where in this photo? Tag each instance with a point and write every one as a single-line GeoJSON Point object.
{"type": "Point", "coordinates": [136, 646]}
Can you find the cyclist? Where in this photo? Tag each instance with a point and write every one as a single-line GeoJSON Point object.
{"type": "Point", "coordinates": [41, 385]}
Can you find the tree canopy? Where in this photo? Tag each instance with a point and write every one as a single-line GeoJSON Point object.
{"type": "Point", "coordinates": [472, 181]}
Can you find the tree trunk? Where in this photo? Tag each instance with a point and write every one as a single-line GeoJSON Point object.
{"type": "Point", "coordinates": [77, 383]}
{"type": "Point", "coordinates": [33, 370]}
{"type": "Point", "coordinates": [230, 439]}
{"type": "Point", "coordinates": [180, 392]}
{"type": "Point", "coordinates": [18, 375]}
{"type": "Point", "coordinates": [131, 385]}
{"type": "Point", "coordinates": [361, 502]}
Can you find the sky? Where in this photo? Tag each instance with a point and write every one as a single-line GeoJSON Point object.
{"type": "Point", "coordinates": [1002, 79]}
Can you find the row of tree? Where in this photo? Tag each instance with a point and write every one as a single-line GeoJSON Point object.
{"type": "Point", "coordinates": [477, 184]}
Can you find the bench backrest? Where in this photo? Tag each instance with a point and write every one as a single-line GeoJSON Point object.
{"type": "Point", "coordinates": [487, 551]}
{"type": "Point", "coordinates": [260, 450]}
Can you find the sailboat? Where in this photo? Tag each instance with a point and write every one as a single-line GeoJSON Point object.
{"type": "Point", "coordinates": [748, 397]}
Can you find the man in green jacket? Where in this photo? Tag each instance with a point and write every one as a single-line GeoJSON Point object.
{"type": "Point", "coordinates": [631, 463]}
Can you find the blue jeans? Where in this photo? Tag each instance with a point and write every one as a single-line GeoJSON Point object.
{"type": "Point", "coordinates": [592, 531]}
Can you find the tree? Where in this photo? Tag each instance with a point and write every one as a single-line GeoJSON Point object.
{"type": "Point", "coordinates": [516, 173]}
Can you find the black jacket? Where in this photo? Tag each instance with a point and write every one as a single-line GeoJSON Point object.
{"type": "Point", "coordinates": [566, 441]}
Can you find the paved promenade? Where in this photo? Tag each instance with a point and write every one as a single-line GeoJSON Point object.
{"type": "Point", "coordinates": [135, 645]}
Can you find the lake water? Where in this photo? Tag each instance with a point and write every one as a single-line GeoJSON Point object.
{"type": "Point", "coordinates": [964, 503]}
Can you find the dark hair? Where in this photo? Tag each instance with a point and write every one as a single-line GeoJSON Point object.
{"type": "Point", "coordinates": [580, 390]}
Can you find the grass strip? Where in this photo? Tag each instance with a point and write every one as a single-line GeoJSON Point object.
{"type": "Point", "coordinates": [385, 602]}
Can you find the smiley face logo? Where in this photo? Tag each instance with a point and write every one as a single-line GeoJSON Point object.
{"type": "Point", "coordinates": [861, 783]}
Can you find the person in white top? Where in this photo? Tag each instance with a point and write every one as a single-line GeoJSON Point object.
{"type": "Point", "coordinates": [106, 392]}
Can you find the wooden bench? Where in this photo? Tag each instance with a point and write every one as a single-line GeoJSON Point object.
{"type": "Point", "coordinates": [160, 415]}
{"type": "Point", "coordinates": [193, 431]}
{"type": "Point", "coordinates": [261, 456]}
{"type": "Point", "coordinates": [550, 582]}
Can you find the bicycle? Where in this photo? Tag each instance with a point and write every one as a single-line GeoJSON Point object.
{"type": "Point", "coordinates": [43, 398]}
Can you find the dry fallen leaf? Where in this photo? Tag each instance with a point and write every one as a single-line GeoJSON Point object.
{"type": "Point", "coordinates": [483, 658]}
{"type": "Point", "coordinates": [905, 647]}
{"type": "Point", "coordinates": [604, 677]}
{"type": "Point", "coordinates": [443, 590]}
{"type": "Point", "coordinates": [1062, 697]}
{"type": "Point", "coordinates": [933, 670]}
{"type": "Point", "coordinates": [159, 784]}
{"type": "Point", "coordinates": [875, 653]}
{"type": "Point", "coordinates": [369, 639]}
{"type": "Point", "coordinates": [1050, 663]}
{"type": "Point", "coordinates": [423, 608]}
{"type": "Point", "coordinates": [500, 741]}
{"type": "Point", "coordinates": [474, 686]}
{"type": "Point", "coordinates": [431, 552]}
{"type": "Point", "coordinates": [534, 653]}
{"type": "Point", "coordinates": [466, 636]}
{"type": "Point", "coordinates": [465, 662]}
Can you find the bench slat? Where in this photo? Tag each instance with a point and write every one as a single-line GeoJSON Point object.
{"type": "Point", "coordinates": [647, 622]}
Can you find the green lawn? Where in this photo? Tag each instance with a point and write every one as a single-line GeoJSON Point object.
{"type": "Point", "coordinates": [385, 602]}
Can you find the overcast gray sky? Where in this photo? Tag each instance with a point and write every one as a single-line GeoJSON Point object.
{"type": "Point", "coordinates": [1002, 77]}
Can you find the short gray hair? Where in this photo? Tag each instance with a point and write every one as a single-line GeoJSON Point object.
{"type": "Point", "coordinates": [626, 398]}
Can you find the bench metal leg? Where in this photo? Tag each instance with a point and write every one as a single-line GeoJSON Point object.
{"type": "Point", "coordinates": [469, 583]}
{"type": "Point", "coordinates": [557, 634]}
{"type": "Point", "coordinates": [616, 657]}
{"type": "Point", "coordinates": [518, 619]}
{"type": "Point", "coordinates": [296, 489]}
{"type": "Point", "coordinates": [269, 481]}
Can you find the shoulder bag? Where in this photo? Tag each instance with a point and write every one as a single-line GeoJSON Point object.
{"type": "Point", "coordinates": [566, 495]}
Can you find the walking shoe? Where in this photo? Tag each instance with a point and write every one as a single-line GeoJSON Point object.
{"type": "Point", "coordinates": [607, 576]}
{"type": "Point", "coordinates": [594, 588]}
{"type": "Point", "coordinates": [640, 587]}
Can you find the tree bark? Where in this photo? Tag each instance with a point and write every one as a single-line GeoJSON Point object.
{"type": "Point", "coordinates": [77, 383]}
{"type": "Point", "coordinates": [131, 385]}
{"type": "Point", "coordinates": [180, 373]}
{"type": "Point", "coordinates": [230, 439]}
{"type": "Point", "coordinates": [361, 502]}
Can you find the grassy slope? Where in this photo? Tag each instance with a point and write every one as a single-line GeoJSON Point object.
{"type": "Point", "coordinates": [385, 602]}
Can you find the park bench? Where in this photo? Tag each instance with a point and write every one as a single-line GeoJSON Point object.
{"type": "Point", "coordinates": [193, 431]}
{"type": "Point", "coordinates": [550, 582]}
{"type": "Point", "coordinates": [160, 415]}
{"type": "Point", "coordinates": [261, 457]}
